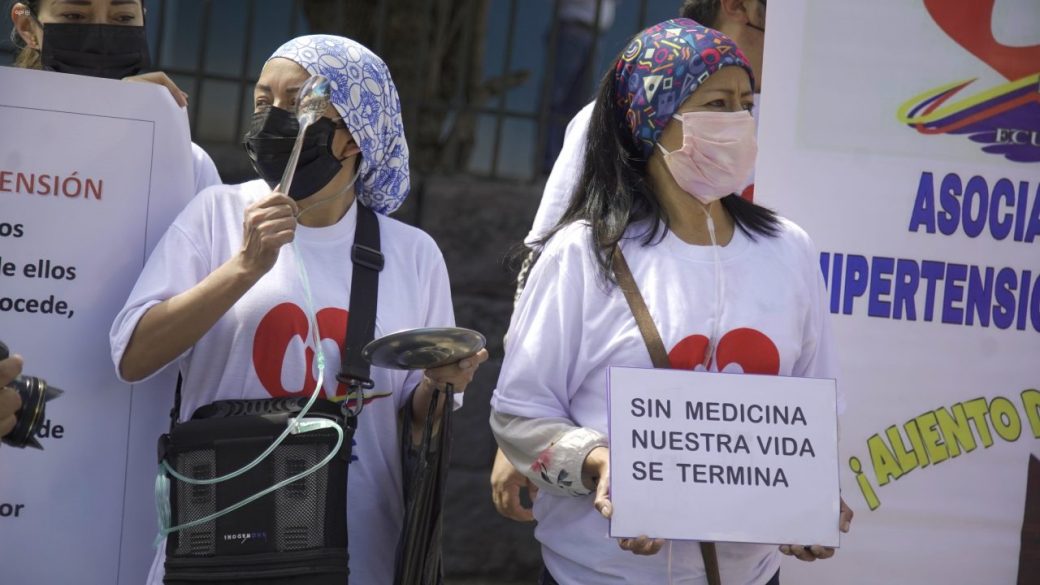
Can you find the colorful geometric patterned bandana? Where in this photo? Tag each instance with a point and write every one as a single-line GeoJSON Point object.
{"type": "Point", "coordinates": [365, 96]}
{"type": "Point", "coordinates": [661, 67]}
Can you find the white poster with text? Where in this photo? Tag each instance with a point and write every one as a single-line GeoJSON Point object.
{"type": "Point", "coordinates": [723, 457]}
{"type": "Point", "coordinates": [905, 138]}
{"type": "Point", "coordinates": [92, 171]}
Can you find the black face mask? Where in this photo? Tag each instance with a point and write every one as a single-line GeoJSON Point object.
{"type": "Point", "coordinates": [111, 51]}
{"type": "Point", "coordinates": [269, 143]}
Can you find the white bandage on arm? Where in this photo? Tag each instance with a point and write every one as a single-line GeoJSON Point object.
{"type": "Point", "coordinates": [548, 451]}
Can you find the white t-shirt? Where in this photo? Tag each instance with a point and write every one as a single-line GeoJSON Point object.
{"type": "Point", "coordinates": [261, 347]}
{"type": "Point", "coordinates": [206, 174]}
{"type": "Point", "coordinates": [567, 328]}
{"type": "Point", "coordinates": [566, 173]}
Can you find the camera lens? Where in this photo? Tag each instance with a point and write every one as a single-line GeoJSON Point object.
{"type": "Point", "coordinates": [35, 394]}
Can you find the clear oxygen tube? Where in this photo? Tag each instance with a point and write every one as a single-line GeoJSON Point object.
{"type": "Point", "coordinates": [296, 425]}
{"type": "Point", "coordinates": [713, 341]}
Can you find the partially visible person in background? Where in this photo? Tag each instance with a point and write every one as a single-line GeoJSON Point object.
{"type": "Point", "coordinates": [10, 402]}
{"type": "Point", "coordinates": [97, 38]}
{"type": "Point", "coordinates": [577, 24]}
{"type": "Point", "coordinates": [743, 21]}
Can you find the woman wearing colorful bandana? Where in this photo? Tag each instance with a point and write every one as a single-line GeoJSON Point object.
{"type": "Point", "coordinates": [730, 287]}
{"type": "Point", "coordinates": [221, 295]}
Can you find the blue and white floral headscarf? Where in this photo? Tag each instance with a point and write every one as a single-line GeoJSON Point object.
{"type": "Point", "coordinates": [365, 96]}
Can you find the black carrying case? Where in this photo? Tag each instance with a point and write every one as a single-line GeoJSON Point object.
{"type": "Point", "coordinates": [294, 535]}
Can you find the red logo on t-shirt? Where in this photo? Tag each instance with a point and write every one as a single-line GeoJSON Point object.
{"type": "Point", "coordinates": [749, 192]}
{"type": "Point", "coordinates": [750, 349]}
{"type": "Point", "coordinates": [274, 335]}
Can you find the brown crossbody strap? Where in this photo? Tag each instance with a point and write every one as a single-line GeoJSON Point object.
{"type": "Point", "coordinates": [659, 357]}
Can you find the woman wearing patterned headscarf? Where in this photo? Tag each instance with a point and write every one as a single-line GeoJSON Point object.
{"type": "Point", "coordinates": [221, 295]}
{"type": "Point", "coordinates": [729, 286]}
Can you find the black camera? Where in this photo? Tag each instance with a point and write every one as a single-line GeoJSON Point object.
{"type": "Point", "coordinates": [35, 394]}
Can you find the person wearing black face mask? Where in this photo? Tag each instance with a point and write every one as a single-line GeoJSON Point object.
{"type": "Point", "coordinates": [222, 297]}
{"type": "Point", "coordinates": [97, 38]}
{"type": "Point", "coordinates": [269, 143]}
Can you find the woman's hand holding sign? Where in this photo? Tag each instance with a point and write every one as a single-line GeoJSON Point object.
{"type": "Point", "coordinates": [811, 553]}
{"type": "Point", "coordinates": [595, 474]}
{"type": "Point", "coordinates": [160, 78]}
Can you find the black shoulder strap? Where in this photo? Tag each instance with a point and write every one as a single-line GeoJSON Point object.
{"type": "Point", "coordinates": [361, 324]}
{"type": "Point", "coordinates": [364, 293]}
{"type": "Point", "coordinates": [175, 412]}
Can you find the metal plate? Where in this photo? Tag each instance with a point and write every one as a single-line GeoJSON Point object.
{"type": "Point", "coordinates": [422, 349]}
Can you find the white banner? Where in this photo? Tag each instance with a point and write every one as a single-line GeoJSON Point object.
{"type": "Point", "coordinates": [905, 138]}
{"type": "Point", "coordinates": [92, 171]}
{"type": "Point", "coordinates": [723, 457]}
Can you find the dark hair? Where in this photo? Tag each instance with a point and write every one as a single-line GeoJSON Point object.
{"type": "Point", "coordinates": [705, 12]}
{"type": "Point", "coordinates": [614, 191]}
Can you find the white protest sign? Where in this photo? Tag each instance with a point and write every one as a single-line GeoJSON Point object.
{"type": "Point", "coordinates": [92, 171]}
{"type": "Point", "coordinates": [904, 137]}
{"type": "Point", "coordinates": [723, 457]}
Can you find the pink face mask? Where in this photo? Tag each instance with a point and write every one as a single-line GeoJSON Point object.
{"type": "Point", "coordinates": [717, 155]}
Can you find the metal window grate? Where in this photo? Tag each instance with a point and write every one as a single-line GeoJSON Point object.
{"type": "Point", "coordinates": [508, 127]}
